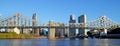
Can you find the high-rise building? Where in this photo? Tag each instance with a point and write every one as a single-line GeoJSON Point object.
{"type": "Point", "coordinates": [34, 19]}
{"type": "Point", "coordinates": [72, 31]}
{"type": "Point", "coordinates": [36, 30]}
{"type": "Point", "coordinates": [82, 19]}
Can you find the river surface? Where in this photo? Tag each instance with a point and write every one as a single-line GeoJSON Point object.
{"type": "Point", "coordinates": [59, 42]}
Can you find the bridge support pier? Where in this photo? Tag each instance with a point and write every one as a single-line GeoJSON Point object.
{"type": "Point", "coordinates": [37, 32]}
{"type": "Point", "coordinates": [51, 31]}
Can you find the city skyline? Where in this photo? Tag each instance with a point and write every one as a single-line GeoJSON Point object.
{"type": "Point", "coordinates": [60, 11]}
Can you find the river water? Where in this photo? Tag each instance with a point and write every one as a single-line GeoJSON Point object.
{"type": "Point", "coordinates": [59, 42]}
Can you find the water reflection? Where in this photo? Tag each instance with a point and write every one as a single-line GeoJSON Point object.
{"type": "Point", "coordinates": [15, 42]}
{"type": "Point", "coordinates": [59, 42]}
{"type": "Point", "coordinates": [105, 41]}
{"type": "Point", "coordinates": [52, 42]}
{"type": "Point", "coordinates": [85, 42]}
{"type": "Point", "coordinates": [76, 42]}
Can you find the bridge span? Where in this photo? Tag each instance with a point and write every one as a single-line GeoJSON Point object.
{"type": "Point", "coordinates": [23, 22]}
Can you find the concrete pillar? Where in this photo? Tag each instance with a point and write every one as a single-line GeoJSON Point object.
{"type": "Point", "coordinates": [51, 31]}
{"type": "Point", "coordinates": [37, 32]}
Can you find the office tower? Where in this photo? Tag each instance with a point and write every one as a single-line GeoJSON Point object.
{"type": "Point", "coordinates": [82, 19]}
{"type": "Point", "coordinates": [34, 19]}
{"type": "Point", "coordinates": [72, 31]}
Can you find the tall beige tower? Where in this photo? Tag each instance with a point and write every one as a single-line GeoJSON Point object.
{"type": "Point", "coordinates": [34, 19]}
{"type": "Point", "coordinates": [82, 19]}
{"type": "Point", "coordinates": [36, 30]}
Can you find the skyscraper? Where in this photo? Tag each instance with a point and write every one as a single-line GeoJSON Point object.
{"type": "Point", "coordinates": [82, 19]}
{"type": "Point", "coordinates": [72, 31]}
{"type": "Point", "coordinates": [34, 19]}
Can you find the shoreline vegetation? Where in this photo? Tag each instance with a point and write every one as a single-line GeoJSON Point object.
{"type": "Point", "coordinates": [13, 35]}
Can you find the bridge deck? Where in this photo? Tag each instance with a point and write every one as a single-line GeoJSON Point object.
{"type": "Point", "coordinates": [47, 27]}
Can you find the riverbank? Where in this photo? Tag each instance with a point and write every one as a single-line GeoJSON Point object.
{"type": "Point", "coordinates": [15, 36]}
{"type": "Point", "coordinates": [40, 37]}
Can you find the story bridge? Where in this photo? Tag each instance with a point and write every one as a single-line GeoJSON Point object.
{"type": "Point", "coordinates": [22, 22]}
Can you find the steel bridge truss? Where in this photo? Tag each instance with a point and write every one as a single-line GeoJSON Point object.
{"type": "Point", "coordinates": [20, 20]}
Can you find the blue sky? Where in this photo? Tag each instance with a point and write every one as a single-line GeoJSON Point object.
{"type": "Point", "coordinates": [60, 10]}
